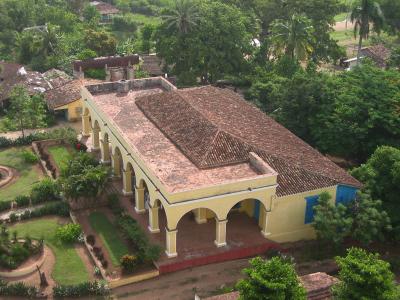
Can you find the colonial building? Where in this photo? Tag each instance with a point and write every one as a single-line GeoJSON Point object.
{"type": "Point", "coordinates": [207, 151]}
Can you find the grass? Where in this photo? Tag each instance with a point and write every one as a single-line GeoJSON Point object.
{"type": "Point", "coordinates": [61, 155]}
{"type": "Point", "coordinates": [107, 233]}
{"type": "Point", "coordinates": [69, 268]}
{"type": "Point", "coordinates": [144, 20]}
{"type": "Point", "coordinates": [29, 175]}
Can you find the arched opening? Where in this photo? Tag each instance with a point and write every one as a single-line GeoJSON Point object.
{"type": "Point", "coordinates": [193, 237]}
{"type": "Point", "coordinates": [129, 182]}
{"type": "Point", "coordinates": [96, 136]}
{"type": "Point", "coordinates": [105, 149]}
{"type": "Point", "coordinates": [245, 222]}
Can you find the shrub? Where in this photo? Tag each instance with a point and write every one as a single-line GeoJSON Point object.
{"type": "Point", "coordinates": [13, 217]}
{"type": "Point", "coordinates": [5, 205]}
{"type": "Point", "coordinates": [57, 208]}
{"type": "Point", "coordinates": [128, 263]}
{"type": "Point", "coordinates": [22, 200]}
{"type": "Point", "coordinates": [29, 157]}
{"type": "Point", "coordinates": [95, 288]}
{"type": "Point", "coordinates": [46, 190]}
{"type": "Point", "coordinates": [114, 205]}
{"type": "Point", "coordinates": [68, 233]}
{"type": "Point", "coordinates": [95, 73]}
{"type": "Point", "coordinates": [90, 239]}
{"type": "Point", "coordinates": [17, 289]}
{"type": "Point", "coordinates": [136, 236]}
{"type": "Point", "coordinates": [25, 215]}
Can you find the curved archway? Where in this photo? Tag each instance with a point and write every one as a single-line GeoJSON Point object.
{"type": "Point", "coordinates": [105, 148]}
{"type": "Point", "coordinates": [117, 162]}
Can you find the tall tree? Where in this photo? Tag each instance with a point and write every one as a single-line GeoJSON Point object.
{"type": "Point", "coordinates": [273, 279]}
{"type": "Point", "coordinates": [293, 37]}
{"type": "Point", "coordinates": [366, 13]}
{"type": "Point", "coordinates": [183, 16]}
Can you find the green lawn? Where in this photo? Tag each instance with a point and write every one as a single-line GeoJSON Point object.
{"type": "Point", "coordinates": [144, 20]}
{"type": "Point", "coordinates": [69, 268]}
{"type": "Point", "coordinates": [28, 174]}
{"type": "Point", "coordinates": [60, 154]}
{"type": "Point", "coordinates": [108, 234]}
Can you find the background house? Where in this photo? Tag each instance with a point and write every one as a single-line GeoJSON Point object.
{"type": "Point", "coordinates": [106, 11]}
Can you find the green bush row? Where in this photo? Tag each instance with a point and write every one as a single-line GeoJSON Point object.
{"type": "Point", "coordinates": [58, 208]}
{"type": "Point", "coordinates": [146, 252]}
{"type": "Point", "coordinates": [64, 133]}
{"type": "Point", "coordinates": [94, 288]}
{"type": "Point", "coordinates": [18, 289]}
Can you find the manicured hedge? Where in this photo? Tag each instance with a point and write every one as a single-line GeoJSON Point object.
{"type": "Point", "coordinates": [94, 288]}
{"type": "Point", "coordinates": [58, 208]}
{"type": "Point", "coordinates": [18, 289]}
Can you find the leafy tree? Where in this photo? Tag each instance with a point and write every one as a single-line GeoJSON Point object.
{"type": "Point", "coordinates": [102, 42]}
{"type": "Point", "coordinates": [147, 35]}
{"type": "Point", "coordinates": [364, 275]}
{"type": "Point", "coordinates": [91, 14]}
{"type": "Point", "coordinates": [394, 60]}
{"type": "Point", "coordinates": [366, 13]}
{"type": "Point", "coordinates": [381, 176]}
{"type": "Point", "coordinates": [26, 111]}
{"type": "Point", "coordinates": [274, 279]}
{"type": "Point", "coordinates": [183, 17]}
{"type": "Point", "coordinates": [293, 37]}
{"type": "Point", "coordinates": [331, 223]}
{"type": "Point", "coordinates": [215, 47]}
{"type": "Point", "coordinates": [370, 221]}
{"type": "Point", "coordinates": [391, 11]}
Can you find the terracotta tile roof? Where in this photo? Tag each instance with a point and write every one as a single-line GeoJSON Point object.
{"type": "Point", "coordinates": [110, 61]}
{"type": "Point", "coordinates": [379, 53]}
{"type": "Point", "coordinates": [104, 8]}
{"type": "Point", "coordinates": [64, 94]}
{"type": "Point", "coordinates": [216, 127]}
{"type": "Point", "coordinates": [12, 74]}
{"type": "Point", "coordinates": [152, 64]}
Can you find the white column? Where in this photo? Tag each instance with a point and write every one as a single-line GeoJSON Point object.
{"type": "Point", "coordinates": [153, 220]}
{"type": "Point", "coordinates": [200, 215]}
{"type": "Point", "coordinates": [139, 200]}
{"type": "Point", "coordinates": [116, 165]}
{"type": "Point", "coordinates": [85, 125]}
{"type": "Point", "coordinates": [127, 183]}
{"type": "Point", "coordinates": [95, 139]}
{"type": "Point", "coordinates": [264, 218]}
{"type": "Point", "coordinates": [171, 243]}
{"type": "Point", "coordinates": [220, 236]}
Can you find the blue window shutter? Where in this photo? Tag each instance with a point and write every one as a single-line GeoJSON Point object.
{"type": "Point", "coordinates": [310, 203]}
{"type": "Point", "coordinates": [345, 194]}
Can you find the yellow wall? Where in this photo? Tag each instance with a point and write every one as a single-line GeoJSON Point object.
{"type": "Point", "coordinates": [74, 110]}
{"type": "Point", "coordinates": [286, 220]}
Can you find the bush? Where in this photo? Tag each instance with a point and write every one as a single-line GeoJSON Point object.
{"type": "Point", "coordinates": [69, 233]}
{"type": "Point", "coordinates": [136, 236]}
{"type": "Point", "coordinates": [25, 215]}
{"type": "Point", "coordinates": [46, 190]}
{"type": "Point", "coordinates": [57, 208]}
{"type": "Point", "coordinates": [95, 73]}
{"type": "Point", "coordinates": [13, 217]}
{"type": "Point", "coordinates": [95, 288]}
{"type": "Point", "coordinates": [124, 23]}
{"type": "Point", "coordinates": [29, 157]}
{"type": "Point", "coordinates": [5, 205]}
{"type": "Point", "coordinates": [17, 289]}
{"type": "Point", "coordinates": [22, 200]}
{"type": "Point", "coordinates": [128, 263]}
{"type": "Point", "coordinates": [90, 239]}
{"type": "Point", "coordinates": [114, 205]}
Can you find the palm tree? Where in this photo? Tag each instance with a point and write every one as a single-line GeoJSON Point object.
{"type": "Point", "coordinates": [366, 13]}
{"type": "Point", "coordinates": [293, 37]}
{"type": "Point", "coordinates": [183, 17]}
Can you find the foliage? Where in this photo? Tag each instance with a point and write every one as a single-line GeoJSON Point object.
{"type": "Point", "coordinates": [270, 279]}
{"type": "Point", "coordinates": [128, 263]}
{"type": "Point", "coordinates": [29, 157]}
{"type": "Point", "coordinates": [391, 11]}
{"type": "Point", "coordinates": [366, 13]}
{"type": "Point", "coordinates": [331, 223]}
{"type": "Point", "coordinates": [58, 208]}
{"type": "Point", "coordinates": [394, 60]}
{"type": "Point", "coordinates": [364, 276]}
{"type": "Point", "coordinates": [22, 200]}
{"type": "Point", "coordinates": [5, 205]}
{"type": "Point", "coordinates": [114, 204]}
{"type": "Point", "coordinates": [26, 111]}
{"type": "Point", "coordinates": [292, 37]}
{"type": "Point", "coordinates": [91, 14]}
{"type": "Point", "coordinates": [146, 252]}
{"type": "Point", "coordinates": [17, 289]}
{"type": "Point", "coordinates": [381, 176]}
{"type": "Point", "coordinates": [100, 41]}
{"type": "Point", "coordinates": [214, 45]}
{"type": "Point", "coordinates": [45, 190]}
{"type": "Point", "coordinates": [95, 73]}
{"type": "Point", "coordinates": [124, 23]}
{"type": "Point", "coordinates": [370, 220]}
{"type": "Point", "coordinates": [94, 288]}
{"type": "Point", "coordinates": [68, 233]}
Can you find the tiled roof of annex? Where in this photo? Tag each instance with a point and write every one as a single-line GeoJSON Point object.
{"type": "Point", "coordinates": [202, 136]}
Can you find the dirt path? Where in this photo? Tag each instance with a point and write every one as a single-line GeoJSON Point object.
{"type": "Point", "coordinates": [204, 281]}
{"type": "Point", "coordinates": [341, 26]}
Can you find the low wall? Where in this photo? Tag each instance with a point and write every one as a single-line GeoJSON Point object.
{"type": "Point", "coordinates": [40, 151]}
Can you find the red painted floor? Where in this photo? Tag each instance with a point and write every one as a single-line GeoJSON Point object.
{"type": "Point", "coordinates": [195, 242]}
